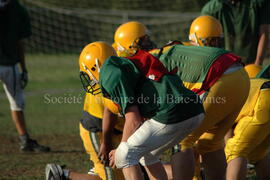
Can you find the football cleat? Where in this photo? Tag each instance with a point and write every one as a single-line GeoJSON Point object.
{"type": "Point", "coordinates": [32, 145]}
{"type": "Point", "coordinates": [54, 172]}
{"type": "Point", "coordinates": [92, 172]}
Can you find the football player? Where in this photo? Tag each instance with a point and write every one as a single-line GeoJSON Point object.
{"type": "Point", "coordinates": [250, 141]}
{"type": "Point", "coordinates": [142, 87]}
{"type": "Point", "coordinates": [91, 126]}
{"type": "Point", "coordinates": [219, 77]}
{"type": "Point", "coordinates": [131, 36]}
{"type": "Point", "coordinates": [206, 31]}
{"type": "Point", "coordinates": [202, 74]}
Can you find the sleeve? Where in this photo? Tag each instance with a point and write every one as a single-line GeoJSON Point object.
{"type": "Point", "coordinates": [264, 12]}
{"type": "Point", "coordinates": [25, 24]}
{"type": "Point", "coordinates": [211, 8]}
{"type": "Point", "coordinates": [118, 83]}
{"type": "Point", "coordinates": [206, 10]}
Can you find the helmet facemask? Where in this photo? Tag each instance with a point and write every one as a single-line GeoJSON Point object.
{"type": "Point", "coordinates": [209, 41]}
{"type": "Point", "coordinates": [213, 42]}
{"type": "Point", "coordinates": [89, 82]}
{"type": "Point", "coordinates": [123, 52]}
{"type": "Point", "coordinates": [143, 43]}
{"type": "Point", "coordinates": [91, 60]}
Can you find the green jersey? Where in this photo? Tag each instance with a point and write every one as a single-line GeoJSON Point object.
{"type": "Point", "coordinates": [15, 25]}
{"type": "Point", "coordinates": [193, 62]}
{"type": "Point", "coordinates": [166, 101]}
{"type": "Point", "coordinates": [240, 22]}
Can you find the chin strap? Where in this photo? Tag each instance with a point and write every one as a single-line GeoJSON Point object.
{"type": "Point", "coordinates": [193, 37]}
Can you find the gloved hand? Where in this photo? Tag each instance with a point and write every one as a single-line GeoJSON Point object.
{"type": "Point", "coordinates": [24, 79]}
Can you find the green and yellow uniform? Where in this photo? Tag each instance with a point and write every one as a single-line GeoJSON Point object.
{"type": "Point", "coordinates": [159, 96]}
{"type": "Point", "coordinates": [220, 74]}
{"type": "Point", "coordinates": [251, 138]}
{"type": "Point", "coordinates": [90, 132]}
{"type": "Point", "coordinates": [240, 22]}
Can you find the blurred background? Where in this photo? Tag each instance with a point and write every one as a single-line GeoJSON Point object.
{"type": "Point", "coordinates": [54, 97]}
{"type": "Point", "coordinates": [66, 26]}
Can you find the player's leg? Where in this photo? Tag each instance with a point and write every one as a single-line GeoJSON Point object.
{"type": "Point", "coordinates": [260, 157]}
{"type": "Point", "coordinates": [56, 172]}
{"type": "Point", "coordinates": [91, 143]}
{"type": "Point", "coordinates": [228, 96]}
{"type": "Point", "coordinates": [237, 169]}
{"type": "Point", "coordinates": [263, 169]}
{"type": "Point", "coordinates": [186, 168]}
{"type": "Point", "coordinates": [79, 176]}
{"type": "Point", "coordinates": [133, 172]}
{"type": "Point", "coordinates": [168, 169]}
{"type": "Point", "coordinates": [229, 134]}
{"type": "Point", "coordinates": [19, 121]}
{"type": "Point", "coordinates": [128, 153]}
{"type": "Point", "coordinates": [221, 105]}
{"type": "Point", "coordinates": [14, 92]}
{"type": "Point", "coordinates": [153, 141]}
{"type": "Point", "coordinates": [156, 171]}
{"type": "Point", "coordinates": [249, 139]}
{"type": "Point", "coordinates": [166, 166]}
{"type": "Point", "coordinates": [212, 169]}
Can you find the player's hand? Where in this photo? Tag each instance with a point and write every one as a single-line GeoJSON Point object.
{"type": "Point", "coordinates": [103, 154]}
{"type": "Point", "coordinates": [112, 158]}
{"type": "Point", "coordinates": [24, 79]}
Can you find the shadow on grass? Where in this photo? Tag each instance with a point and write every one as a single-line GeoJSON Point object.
{"type": "Point", "coordinates": [69, 151]}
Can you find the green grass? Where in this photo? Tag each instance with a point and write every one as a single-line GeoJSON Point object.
{"type": "Point", "coordinates": [53, 123]}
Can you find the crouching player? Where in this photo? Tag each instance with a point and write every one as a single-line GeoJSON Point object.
{"type": "Point", "coordinates": [251, 138]}
{"type": "Point", "coordinates": [219, 77]}
{"type": "Point", "coordinates": [90, 130]}
{"type": "Point", "coordinates": [159, 111]}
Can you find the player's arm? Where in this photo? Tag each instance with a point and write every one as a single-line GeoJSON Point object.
{"type": "Point", "coordinates": [133, 120]}
{"type": "Point", "coordinates": [262, 44]}
{"type": "Point", "coordinates": [108, 124]}
{"type": "Point", "coordinates": [20, 47]}
{"type": "Point", "coordinates": [24, 75]}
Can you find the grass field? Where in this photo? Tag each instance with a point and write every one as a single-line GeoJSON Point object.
{"type": "Point", "coordinates": [51, 120]}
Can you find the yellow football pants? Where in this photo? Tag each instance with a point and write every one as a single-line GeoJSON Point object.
{"type": "Point", "coordinates": [252, 133]}
{"type": "Point", "coordinates": [91, 143]}
{"type": "Point", "coordinates": [222, 106]}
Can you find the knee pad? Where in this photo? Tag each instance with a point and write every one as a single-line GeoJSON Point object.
{"type": "Point", "coordinates": [123, 156]}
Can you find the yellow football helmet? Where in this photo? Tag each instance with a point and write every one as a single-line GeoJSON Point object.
{"type": "Point", "coordinates": [206, 31]}
{"type": "Point", "coordinates": [130, 37]}
{"type": "Point", "coordinates": [252, 70]}
{"type": "Point", "coordinates": [91, 59]}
